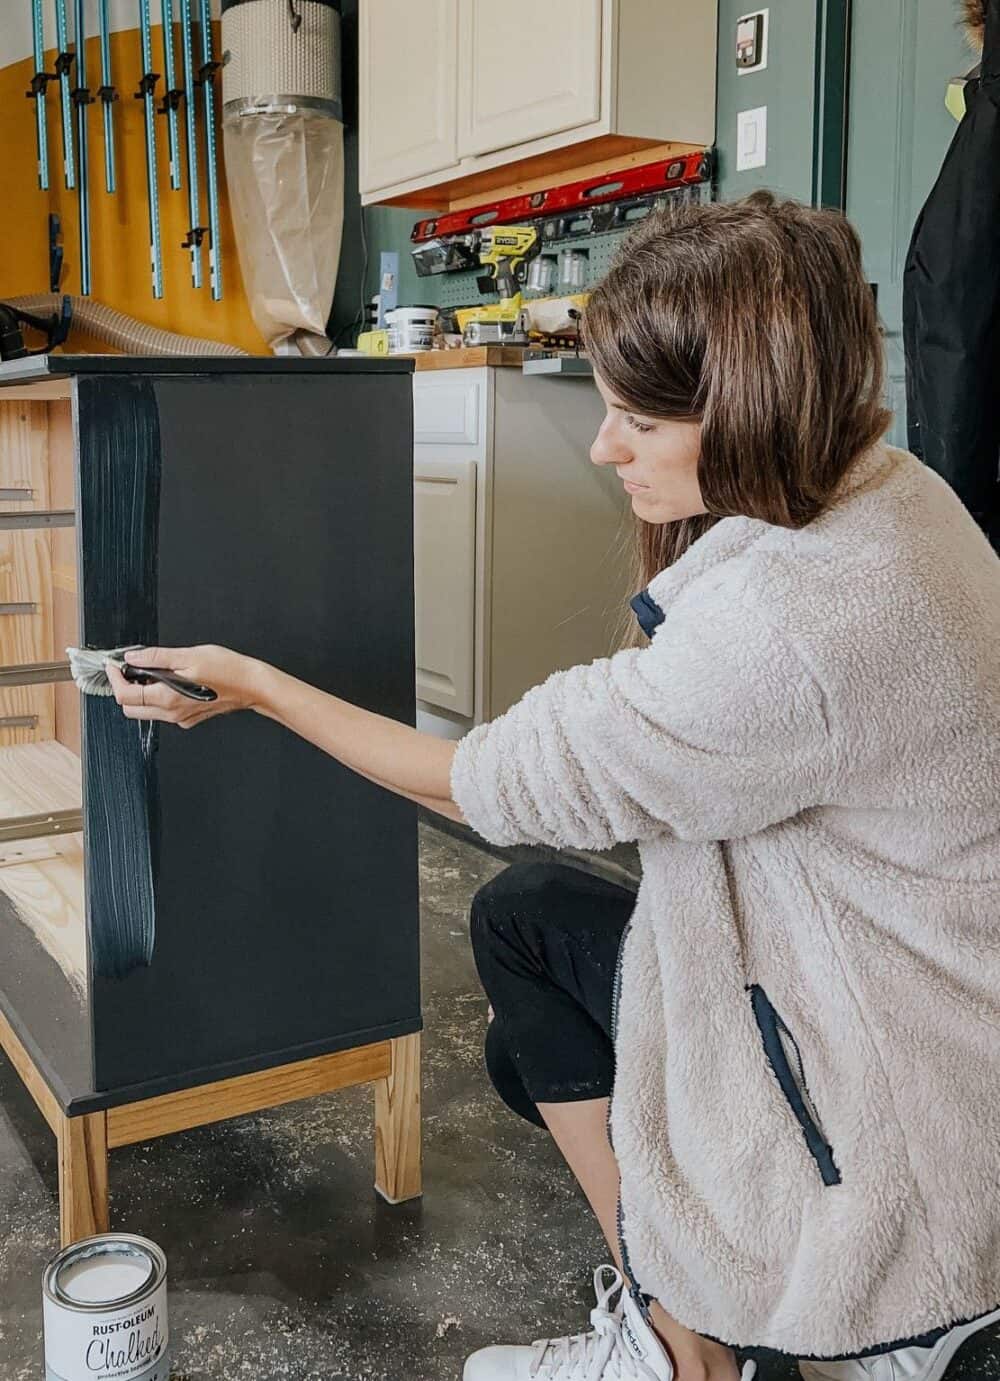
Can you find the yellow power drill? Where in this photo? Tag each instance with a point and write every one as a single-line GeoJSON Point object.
{"type": "Point", "coordinates": [503, 249]}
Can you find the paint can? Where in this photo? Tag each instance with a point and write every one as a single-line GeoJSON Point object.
{"type": "Point", "coordinates": [104, 1305]}
{"type": "Point", "coordinates": [411, 329]}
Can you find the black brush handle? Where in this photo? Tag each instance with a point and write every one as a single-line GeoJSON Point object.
{"type": "Point", "coordinates": [144, 676]}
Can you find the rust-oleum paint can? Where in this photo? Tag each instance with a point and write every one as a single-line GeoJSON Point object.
{"type": "Point", "coordinates": [104, 1303]}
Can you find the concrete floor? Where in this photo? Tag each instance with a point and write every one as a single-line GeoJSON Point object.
{"type": "Point", "coordinates": [284, 1266]}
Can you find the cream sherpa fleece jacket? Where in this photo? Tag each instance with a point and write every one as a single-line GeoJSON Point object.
{"type": "Point", "coordinates": [807, 1101]}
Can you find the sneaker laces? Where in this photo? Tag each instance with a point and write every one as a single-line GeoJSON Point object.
{"type": "Point", "coordinates": [597, 1355]}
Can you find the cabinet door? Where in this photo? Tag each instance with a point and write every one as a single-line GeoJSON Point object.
{"type": "Point", "coordinates": [526, 70]}
{"type": "Point", "coordinates": [444, 537]}
{"type": "Point", "coordinates": [408, 77]}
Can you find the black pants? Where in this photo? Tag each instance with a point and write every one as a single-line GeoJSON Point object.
{"type": "Point", "coordinates": [546, 940]}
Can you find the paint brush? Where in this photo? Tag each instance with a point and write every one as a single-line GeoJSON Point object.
{"type": "Point", "coordinates": [89, 668]}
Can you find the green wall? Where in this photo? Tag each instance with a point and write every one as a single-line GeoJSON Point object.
{"type": "Point", "coordinates": [904, 53]}
{"type": "Point", "coordinates": [388, 227]}
{"type": "Point", "coordinates": [366, 230]}
{"type": "Point", "coordinates": [786, 87]}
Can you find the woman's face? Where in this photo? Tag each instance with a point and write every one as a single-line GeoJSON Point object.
{"type": "Point", "coordinates": [656, 460]}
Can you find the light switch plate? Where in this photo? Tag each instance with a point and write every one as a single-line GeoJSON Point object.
{"type": "Point", "coordinates": [751, 139]}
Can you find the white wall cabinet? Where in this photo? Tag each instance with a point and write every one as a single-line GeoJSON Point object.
{"type": "Point", "coordinates": [409, 89]}
{"type": "Point", "coordinates": [545, 81]}
{"type": "Point", "coordinates": [454, 91]}
{"type": "Point", "coordinates": [520, 567]}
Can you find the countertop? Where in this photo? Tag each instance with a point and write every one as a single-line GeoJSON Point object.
{"type": "Point", "coordinates": [469, 357]}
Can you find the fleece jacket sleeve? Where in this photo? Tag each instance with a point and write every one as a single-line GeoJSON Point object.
{"type": "Point", "coordinates": [715, 731]}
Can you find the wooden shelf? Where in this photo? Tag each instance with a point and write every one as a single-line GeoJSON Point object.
{"type": "Point", "coordinates": [38, 776]}
{"type": "Point", "coordinates": [44, 877]}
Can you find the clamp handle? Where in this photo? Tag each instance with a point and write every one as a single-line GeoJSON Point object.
{"type": "Point", "coordinates": [147, 85]}
{"type": "Point", "coordinates": [39, 84]}
{"type": "Point", "coordinates": [171, 100]}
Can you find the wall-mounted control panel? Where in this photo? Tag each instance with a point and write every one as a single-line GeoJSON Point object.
{"type": "Point", "coordinates": [751, 42]}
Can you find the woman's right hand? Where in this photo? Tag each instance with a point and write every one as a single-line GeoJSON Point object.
{"type": "Point", "coordinates": [235, 679]}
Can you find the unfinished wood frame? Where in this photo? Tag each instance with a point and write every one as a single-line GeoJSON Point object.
{"type": "Point", "coordinates": [40, 767]}
{"type": "Point", "coordinates": [392, 1066]}
{"type": "Point", "coordinates": [397, 1124]}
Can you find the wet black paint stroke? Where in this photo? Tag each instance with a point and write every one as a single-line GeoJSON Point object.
{"type": "Point", "coordinates": [119, 431]}
{"type": "Point", "coordinates": [120, 780]}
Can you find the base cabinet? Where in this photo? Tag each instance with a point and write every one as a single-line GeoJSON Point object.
{"type": "Point", "coordinates": [520, 541]}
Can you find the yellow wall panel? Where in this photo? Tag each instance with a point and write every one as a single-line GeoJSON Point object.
{"type": "Point", "coordinates": [120, 274]}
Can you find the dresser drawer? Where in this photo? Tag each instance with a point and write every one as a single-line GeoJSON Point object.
{"type": "Point", "coordinates": [450, 409]}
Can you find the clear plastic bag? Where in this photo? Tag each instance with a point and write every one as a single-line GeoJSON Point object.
{"type": "Point", "coordinates": [285, 172]}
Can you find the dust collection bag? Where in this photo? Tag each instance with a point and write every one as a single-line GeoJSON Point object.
{"type": "Point", "coordinates": [284, 144]}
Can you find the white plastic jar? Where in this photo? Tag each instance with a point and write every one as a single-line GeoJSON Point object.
{"type": "Point", "coordinates": [411, 329]}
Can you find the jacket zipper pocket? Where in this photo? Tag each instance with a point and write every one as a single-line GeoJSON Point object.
{"type": "Point", "coordinates": [616, 992]}
{"type": "Point", "coordinates": [641, 1300]}
{"type": "Point", "coordinates": [785, 1059]}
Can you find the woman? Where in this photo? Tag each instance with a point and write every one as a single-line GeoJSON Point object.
{"type": "Point", "coordinates": [806, 1008]}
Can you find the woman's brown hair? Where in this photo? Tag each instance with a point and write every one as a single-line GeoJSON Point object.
{"type": "Point", "coordinates": [753, 318]}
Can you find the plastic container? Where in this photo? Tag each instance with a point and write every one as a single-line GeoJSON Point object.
{"type": "Point", "coordinates": [541, 276]}
{"type": "Point", "coordinates": [573, 265]}
{"type": "Point", "coordinates": [411, 329]}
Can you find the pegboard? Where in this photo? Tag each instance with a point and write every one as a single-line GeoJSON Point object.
{"type": "Point", "coordinates": [450, 290]}
{"type": "Point", "coordinates": [461, 290]}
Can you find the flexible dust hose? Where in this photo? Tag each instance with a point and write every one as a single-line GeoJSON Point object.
{"type": "Point", "coordinates": [121, 332]}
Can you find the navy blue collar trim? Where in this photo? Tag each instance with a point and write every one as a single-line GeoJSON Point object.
{"type": "Point", "coordinates": [647, 611]}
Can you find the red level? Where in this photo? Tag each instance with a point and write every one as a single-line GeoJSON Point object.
{"type": "Point", "coordinates": [630, 182]}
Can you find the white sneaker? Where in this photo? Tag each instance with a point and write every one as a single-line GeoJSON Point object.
{"type": "Point", "coordinates": [908, 1364]}
{"type": "Point", "coordinates": [621, 1346]}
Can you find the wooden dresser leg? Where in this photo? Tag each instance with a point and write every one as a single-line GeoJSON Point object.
{"type": "Point", "coordinates": [397, 1124]}
{"type": "Point", "coordinates": [83, 1176]}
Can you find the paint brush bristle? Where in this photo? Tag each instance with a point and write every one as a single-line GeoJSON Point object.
{"type": "Point", "coordinates": [89, 668]}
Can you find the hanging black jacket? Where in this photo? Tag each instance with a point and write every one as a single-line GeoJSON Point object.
{"type": "Point", "coordinates": [951, 303]}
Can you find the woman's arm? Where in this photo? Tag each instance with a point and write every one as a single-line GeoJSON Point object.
{"type": "Point", "coordinates": [411, 764]}
{"type": "Point", "coordinates": [390, 754]}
